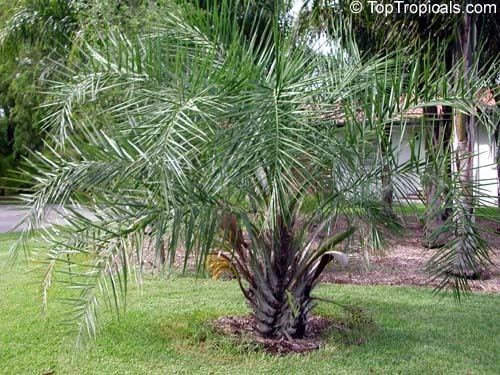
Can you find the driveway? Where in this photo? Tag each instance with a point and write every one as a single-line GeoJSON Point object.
{"type": "Point", "coordinates": [12, 215]}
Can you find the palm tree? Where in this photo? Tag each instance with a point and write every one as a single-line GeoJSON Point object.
{"type": "Point", "coordinates": [176, 129]}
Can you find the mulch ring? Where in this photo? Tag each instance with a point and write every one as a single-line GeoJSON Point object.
{"type": "Point", "coordinates": [242, 328]}
{"type": "Point", "coordinates": [405, 260]}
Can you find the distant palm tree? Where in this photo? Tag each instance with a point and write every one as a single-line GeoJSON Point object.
{"type": "Point", "coordinates": [442, 40]}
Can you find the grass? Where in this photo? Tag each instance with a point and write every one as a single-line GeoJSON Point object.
{"type": "Point", "coordinates": [164, 331]}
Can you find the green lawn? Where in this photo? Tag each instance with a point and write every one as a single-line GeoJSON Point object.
{"type": "Point", "coordinates": [164, 331]}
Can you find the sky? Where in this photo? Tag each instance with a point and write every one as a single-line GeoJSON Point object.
{"type": "Point", "coordinates": [321, 43]}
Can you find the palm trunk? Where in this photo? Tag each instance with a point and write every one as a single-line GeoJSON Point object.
{"type": "Point", "coordinates": [277, 277]}
{"type": "Point", "coordinates": [496, 140]}
{"type": "Point", "coordinates": [386, 178]}
{"type": "Point", "coordinates": [280, 315]}
{"type": "Point", "coordinates": [464, 124]}
{"type": "Point", "coordinates": [465, 140]}
{"type": "Point", "coordinates": [497, 147]}
{"type": "Point", "coordinates": [465, 161]}
{"type": "Point", "coordinates": [447, 121]}
{"type": "Point", "coordinates": [280, 312]}
{"type": "Point", "coordinates": [498, 186]}
{"type": "Point", "coordinates": [438, 173]}
{"type": "Point", "coordinates": [430, 185]}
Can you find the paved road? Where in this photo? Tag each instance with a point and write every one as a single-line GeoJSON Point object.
{"type": "Point", "coordinates": [12, 215]}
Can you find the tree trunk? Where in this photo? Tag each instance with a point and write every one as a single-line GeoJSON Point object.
{"type": "Point", "coordinates": [465, 140]}
{"type": "Point", "coordinates": [437, 174]}
{"type": "Point", "coordinates": [498, 181]}
{"type": "Point", "coordinates": [465, 161]}
{"type": "Point", "coordinates": [447, 145]}
{"type": "Point", "coordinates": [281, 312]}
{"type": "Point", "coordinates": [386, 179]}
{"type": "Point", "coordinates": [162, 254]}
{"type": "Point", "coordinates": [464, 124]}
{"type": "Point", "coordinates": [280, 315]}
{"type": "Point", "coordinates": [280, 279]}
{"type": "Point", "coordinates": [497, 148]}
{"type": "Point", "coordinates": [496, 140]}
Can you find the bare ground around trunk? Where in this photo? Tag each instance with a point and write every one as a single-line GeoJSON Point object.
{"type": "Point", "coordinates": [404, 259]}
{"type": "Point", "coordinates": [242, 329]}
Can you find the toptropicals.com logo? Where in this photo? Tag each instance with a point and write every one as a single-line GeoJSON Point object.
{"type": "Point", "coordinates": [421, 8]}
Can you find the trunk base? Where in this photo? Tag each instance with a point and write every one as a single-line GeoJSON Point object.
{"type": "Point", "coordinates": [430, 238]}
{"type": "Point", "coordinates": [471, 275]}
{"type": "Point", "coordinates": [242, 328]}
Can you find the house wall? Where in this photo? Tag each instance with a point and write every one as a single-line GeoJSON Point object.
{"type": "Point", "coordinates": [487, 171]}
{"type": "Point", "coordinates": [486, 174]}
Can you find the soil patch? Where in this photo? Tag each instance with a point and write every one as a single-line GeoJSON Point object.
{"type": "Point", "coordinates": [242, 328]}
{"type": "Point", "coordinates": [404, 259]}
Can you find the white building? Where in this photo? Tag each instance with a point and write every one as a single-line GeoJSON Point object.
{"type": "Point", "coordinates": [485, 163]}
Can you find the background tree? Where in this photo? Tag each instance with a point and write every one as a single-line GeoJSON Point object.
{"type": "Point", "coordinates": [36, 37]}
{"type": "Point", "coordinates": [33, 37]}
